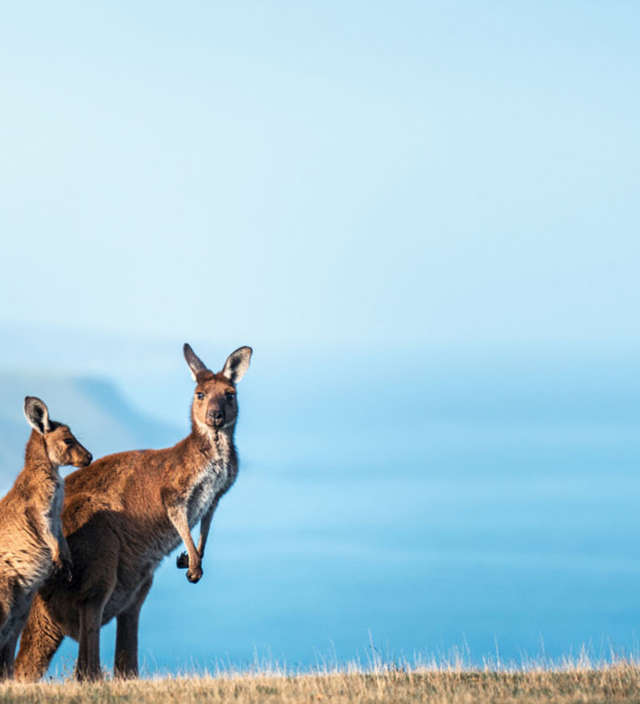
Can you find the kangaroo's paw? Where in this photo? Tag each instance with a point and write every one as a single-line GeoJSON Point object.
{"type": "Point", "coordinates": [182, 561]}
{"type": "Point", "coordinates": [194, 575]}
{"type": "Point", "coordinates": [63, 569]}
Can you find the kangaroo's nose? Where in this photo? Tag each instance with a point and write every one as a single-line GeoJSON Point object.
{"type": "Point", "coordinates": [218, 418]}
{"type": "Point", "coordinates": [89, 458]}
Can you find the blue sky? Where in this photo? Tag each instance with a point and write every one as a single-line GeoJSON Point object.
{"type": "Point", "coordinates": [375, 174]}
{"type": "Point", "coordinates": [404, 186]}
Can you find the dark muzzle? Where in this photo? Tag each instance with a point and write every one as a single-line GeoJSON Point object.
{"type": "Point", "coordinates": [217, 418]}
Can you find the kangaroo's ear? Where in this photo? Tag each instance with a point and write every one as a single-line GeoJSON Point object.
{"type": "Point", "coordinates": [237, 364]}
{"type": "Point", "coordinates": [37, 414]}
{"type": "Point", "coordinates": [195, 363]}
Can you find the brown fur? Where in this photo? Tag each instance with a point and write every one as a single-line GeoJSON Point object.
{"type": "Point", "coordinates": [31, 542]}
{"type": "Point", "coordinates": [122, 516]}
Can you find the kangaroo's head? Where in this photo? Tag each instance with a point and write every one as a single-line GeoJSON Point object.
{"type": "Point", "coordinates": [60, 443]}
{"type": "Point", "coordinates": [215, 406]}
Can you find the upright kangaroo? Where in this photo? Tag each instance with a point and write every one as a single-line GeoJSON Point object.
{"type": "Point", "coordinates": [31, 542]}
{"type": "Point", "coordinates": [122, 515]}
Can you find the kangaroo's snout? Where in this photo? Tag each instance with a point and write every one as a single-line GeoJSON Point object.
{"type": "Point", "coordinates": [81, 457]}
{"type": "Point", "coordinates": [216, 417]}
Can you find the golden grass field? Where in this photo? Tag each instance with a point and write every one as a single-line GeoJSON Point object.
{"type": "Point", "coordinates": [612, 683]}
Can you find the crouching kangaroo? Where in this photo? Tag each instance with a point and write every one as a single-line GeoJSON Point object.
{"type": "Point", "coordinates": [31, 542]}
{"type": "Point", "coordinates": [123, 515]}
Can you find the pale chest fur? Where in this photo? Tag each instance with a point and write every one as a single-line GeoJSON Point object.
{"type": "Point", "coordinates": [214, 480]}
{"type": "Point", "coordinates": [55, 508]}
{"type": "Point", "coordinates": [204, 492]}
{"type": "Point", "coordinates": [52, 517]}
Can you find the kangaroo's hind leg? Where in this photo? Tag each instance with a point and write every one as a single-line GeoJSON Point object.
{"type": "Point", "coordinates": [41, 638]}
{"type": "Point", "coordinates": [7, 656]}
{"type": "Point", "coordinates": [90, 621]}
{"type": "Point", "coordinates": [126, 660]}
{"type": "Point", "coordinates": [7, 639]}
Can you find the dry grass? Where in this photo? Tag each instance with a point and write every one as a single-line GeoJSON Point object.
{"type": "Point", "coordinates": [613, 683]}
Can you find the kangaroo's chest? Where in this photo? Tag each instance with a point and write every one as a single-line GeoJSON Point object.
{"type": "Point", "coordinates": [214, 481]}
{"type": "Point", "coordinates": [55, 507]}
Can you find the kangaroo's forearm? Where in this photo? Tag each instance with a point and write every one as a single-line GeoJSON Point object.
{"type": "Point", "coordinates": [205, 525]}
{"type": "Point", "coordinates": [52, 543]}
{"type": "Point", "coordinates": [178, 517]}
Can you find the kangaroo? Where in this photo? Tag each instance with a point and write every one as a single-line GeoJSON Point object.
{"type": "Point", "coordinates": [122, 515]}
{"type": "Point", "coordinates": [32, 546]}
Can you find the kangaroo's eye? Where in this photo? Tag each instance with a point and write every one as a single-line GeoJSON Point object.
{"type": "Point", "coordinates": [200, 395]}
{"type": "Point", "coordinates": [68, 441]}
{"type": "Point", "coordinates": [230, 396]}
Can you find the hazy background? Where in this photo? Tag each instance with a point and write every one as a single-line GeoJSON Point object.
{"type": "Point", "coordinates": [424, 218]}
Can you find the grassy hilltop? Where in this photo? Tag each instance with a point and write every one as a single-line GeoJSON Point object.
{"type": "Point", "coordinates": [617, 683]}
